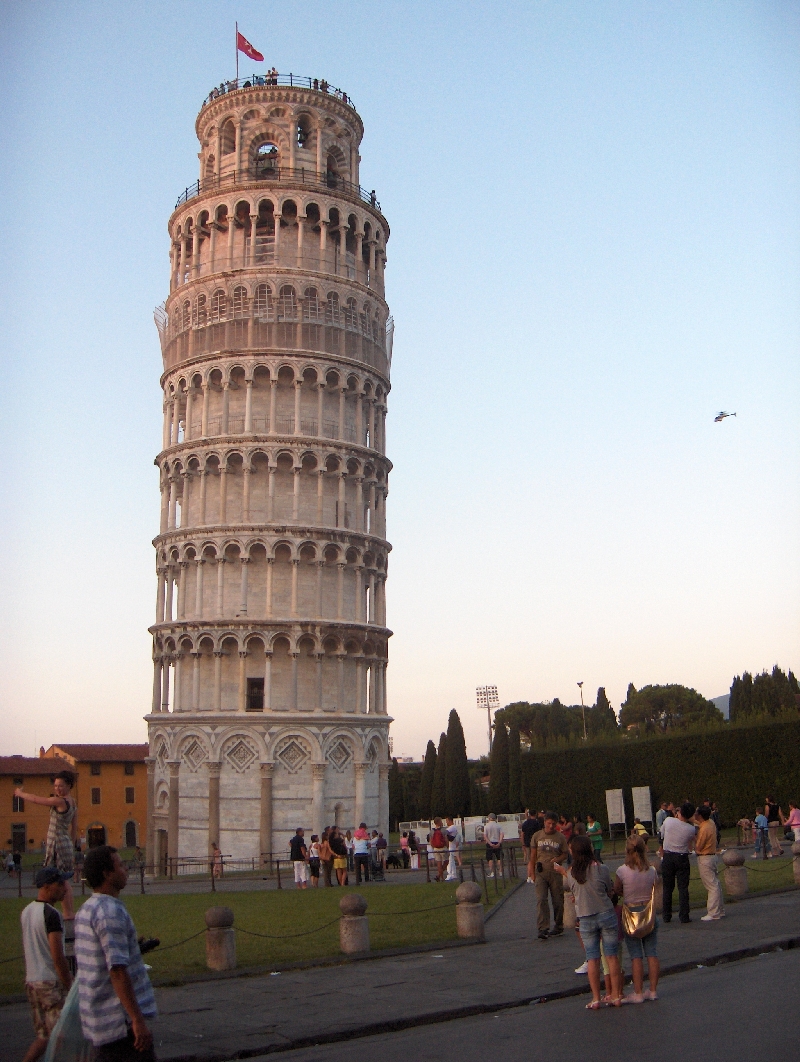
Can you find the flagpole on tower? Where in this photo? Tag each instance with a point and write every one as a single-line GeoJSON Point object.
{"type": "Point", "coordinates": [236, 42]}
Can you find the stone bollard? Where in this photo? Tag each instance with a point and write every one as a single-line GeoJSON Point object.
{"type": "Point", "coordinates": [353, 925]}
{"type": "Point", "coordinates": [735, 873]}
{"type": "Point", "coordinates": [220, 939]}
{"type": "Point", "coordinates": [469, 912]}
{"type": "Point", "coordinates": [796, 862]}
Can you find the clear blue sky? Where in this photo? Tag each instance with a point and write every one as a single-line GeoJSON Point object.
{"type": "Point", "coordinates": [594, 212]}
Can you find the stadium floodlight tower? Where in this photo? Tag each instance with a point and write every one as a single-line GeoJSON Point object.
{"type": "Point", "coordinates": [270, 641]}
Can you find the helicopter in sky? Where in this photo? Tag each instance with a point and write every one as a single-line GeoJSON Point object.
{"type": "Point", "coordinates": [722, 415]}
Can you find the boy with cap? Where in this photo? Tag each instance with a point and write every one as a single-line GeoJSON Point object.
{"type": "Point", "coordinates": [47, 976]}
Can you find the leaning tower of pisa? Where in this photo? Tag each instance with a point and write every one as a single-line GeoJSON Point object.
{"type": "Point", "coordinates": [270, 640]}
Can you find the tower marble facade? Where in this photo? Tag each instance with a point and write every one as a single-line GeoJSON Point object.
{"type": "Point", "coordinates": [270, 641]}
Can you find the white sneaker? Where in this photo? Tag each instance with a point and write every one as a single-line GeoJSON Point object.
{"type": "Point", "coordinates": [530, 881]}
{"type": "Point", "coordinates": [490, 875]}
{"type": "Point", "coordinates": [583, 968]}
{"type": "Point", "coordinates": [710, 918]}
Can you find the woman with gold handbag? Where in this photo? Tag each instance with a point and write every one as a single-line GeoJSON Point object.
{"type": "Point", "coordinates": [636, 883]}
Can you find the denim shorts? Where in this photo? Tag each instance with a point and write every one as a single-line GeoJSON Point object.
{"type": "Point", "coordinates": [642, 947]}
{"type": "Point", "coordinates": [593, 927]}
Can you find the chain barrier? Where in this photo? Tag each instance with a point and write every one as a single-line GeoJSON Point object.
{"type": "Point", "coordinates": [285, 936]}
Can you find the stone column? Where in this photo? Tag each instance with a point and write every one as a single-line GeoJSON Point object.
{"type": "Point", "coordinates": [174, 808]}
{"type": "Point", "coordinates": [340, 659]}
{"type": "Point", "coordinates": [168, 603]}
{"type": "Point", "coordinates": [165, 683]}
{"type": "Point", "coordinates": [265, 816]}
{"type": "Point", "coordinates": [293, 602]}
{"type": "Point", "coordinates": [320, 490]}
{"type": "Point", "coordinates": [226, 407]}
{"type": "Point", "coordinates": [342, 514]}
{"type": "Point", "coordinates": [252, 261]}
{"type": "Point", "coordinates": [371, 614]}
{"type": "Point", "coordinates": [243, 602]}
{"type": "Point", "coordinates": [248, 403]}
{"type": "Point", "coordinates": [293, 703]}
{"type": "Point", "coordinates": [220, 584]}
{"type": "Point", "coordinates": [296, 494]}
{"type": "Point", "coordinates": [373, 708]}
{"type": "Point", "coordinates": [177, 704]}
{"type": "Point", "coordinates": [359, 706]}
{"type": "Point", "coordinates": [196, 682]}
{"type": "Point", "coordinates": [150, 761]}
{"type": "Point", "coordinates": [223, 494]}
{"type": "Point", "coordinates": [340, 590]}
{"type": "Point", "coordinates": [204, 425]}
{"type": "Point", "coordinates": [156, 706]}
{"type": "Point", "coordinates": [183, 565]}
{"type": "Point", "coordinates": [268, 682]}
{"type": "Point", "coordinates": [371, 423]}
{"type": "Point", "coordinates": [319, 658]}
{"type": "Point", "coordinates": [187, 431]}
{"type": "Point", "coordinates": [214, 770]}
{"type": "Point", "coordinates": [246, 473]}
{"type": "Point", "coordinates": [359, 616]}
{"type": "Point", "coordinates": [198, 588]}
{"type": "Point", "coordinates": [242, 702]}
{"type": "Point", "coordinates": [201, 516]}
{"type": "Point", "coordinates": [164, 522]}
{"type": "Point", "coordinates": [342, 402]}
{"type": "Point", "coordinates": [361, 777]}
{"type": "Point", "coordinates": [218, 680]}
{"type": "Point", "coordinates": [320, 406]}
{"type": "Point", "coordinates": [173, 501]}
{"type": "Point", "coordinates": [268, 604]}
{"type": "Point", "coordinates": [271, 486]}
{"type": "Point", "coordinates": [160, 593]}
{"type": "Point", "coordinates": [383, 799]}
{"type": "Point", "coordinates": [318, 797]}
{"type": "Point", "coordinates": [298, 384]}
{"type": "Point", "coordinates": [273, 393]}
{"type": "Point", "coordinates": [320, 568]}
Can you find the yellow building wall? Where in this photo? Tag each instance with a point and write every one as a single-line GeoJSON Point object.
{"type": "Point", "coordinates": [112, 812]}
{"type": "Point", "coordinates": [34, 817]}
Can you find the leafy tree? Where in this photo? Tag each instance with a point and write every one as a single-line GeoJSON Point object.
{"type": "Point", "coordinates": [439, 789]}
{"type": "Point", "coordinates": [411, 780]}
{"type": "Point", "coordinates": [514, 770]}
{"type": "Point", "coordinates": [661, 709]}
{"type": "Point", "coordinates": [457, 768]}
{"type": "Point", "coordinates": [396, 802]}
{"type": "Point", "coordinates": [426, 781]}
{"type": "Point", "coordinates": [498, 769]}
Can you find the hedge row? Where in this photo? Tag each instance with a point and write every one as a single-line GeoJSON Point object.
{"type": "Point", "coordinates": [735, 767]}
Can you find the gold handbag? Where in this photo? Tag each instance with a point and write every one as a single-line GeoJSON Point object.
{"type": "Point", "coordinates": [640, 923]}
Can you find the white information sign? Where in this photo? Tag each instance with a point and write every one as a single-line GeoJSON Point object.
{"type": "Point", "coordinates": [642, 804]}
{"type": "Point", "coordinates": [615, 807]}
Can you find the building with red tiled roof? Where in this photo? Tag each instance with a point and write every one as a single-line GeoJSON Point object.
{"type": "Point", "coordinates": [23, 828]}
{"type": "Point", "coordinates": [110, 791]}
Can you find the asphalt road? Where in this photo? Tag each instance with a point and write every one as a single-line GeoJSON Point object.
{"type": "Point", "coordinates": [706, 1013]}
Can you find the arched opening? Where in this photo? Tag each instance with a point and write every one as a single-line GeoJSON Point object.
{"type": "Point", "coordinates": [265, 162]}
{"type": "Point", "coordinates": [228, 138]}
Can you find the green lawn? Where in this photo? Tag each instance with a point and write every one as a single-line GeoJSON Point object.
{"type": "Point", "coordinates": [172, 918]}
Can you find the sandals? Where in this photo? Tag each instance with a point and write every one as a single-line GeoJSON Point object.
{"type": "Point", "coordinates": [652, 996]}
{"type": "Point", "coordinates": [596, 1004]}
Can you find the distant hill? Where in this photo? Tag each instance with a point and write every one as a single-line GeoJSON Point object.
{"type": "Point", "coordinates": [722, 703]}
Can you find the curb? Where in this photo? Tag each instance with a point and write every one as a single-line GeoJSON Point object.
{"type": "Point", "coordinates": [474, 1010]}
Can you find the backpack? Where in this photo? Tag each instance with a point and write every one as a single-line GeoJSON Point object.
{"type": "Point", "coordinates": [437, 839]}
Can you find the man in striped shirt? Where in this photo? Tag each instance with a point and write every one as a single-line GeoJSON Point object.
{"type": "Point", "coordinates": [115, 993]}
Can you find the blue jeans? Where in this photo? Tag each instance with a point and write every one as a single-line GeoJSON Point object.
{"type": "Point", "coordinates": [642, 947]}
{"type": "Point", "coordinates": [594, 927]}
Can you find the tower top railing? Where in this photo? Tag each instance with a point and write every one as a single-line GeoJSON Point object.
{"type": "Point", "coordinates": [329, 182]}
{"type": "Point", "coordinates": [315, 84]}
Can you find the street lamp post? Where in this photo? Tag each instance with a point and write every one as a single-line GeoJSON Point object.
{"type": "Point", "coordinates": [583, 710]}
{"type": "Point", "coordinates": [487, 698]}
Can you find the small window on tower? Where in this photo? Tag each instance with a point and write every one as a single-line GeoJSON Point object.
{"type": "Point", "coordinates": [95, 796]}
{"type": "Point", "coordinates": [128, 768]}
{"type": "Point", "coordinates": [94, 769]}
{"type": "Point", "coordinates": [255, 695]}
{"type": "Point", "coordinates": [129, 795]}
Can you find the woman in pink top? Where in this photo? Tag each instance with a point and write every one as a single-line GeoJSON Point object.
{"type": "Point", "coordinates": [634, 882]}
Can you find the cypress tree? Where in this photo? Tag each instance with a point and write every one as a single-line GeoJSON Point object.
{"type": "Point", "coordinates": [397, 811]}
{"type": "Point", "coordinates": [439, 789]}
{"type": "Point", "coordinates": [426, 782]}
{"type": "Point", "coordinates": [734, 700]}
{"type": "Point", "coordinates": [498, 770]}
{"type": "Point", "coordinates": [514, 770]}
{"type": "Point", "coordinates": [457, 769]}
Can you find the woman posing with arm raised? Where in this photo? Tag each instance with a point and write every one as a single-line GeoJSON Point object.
{"type": "Point", "coordinates": [60, 846]}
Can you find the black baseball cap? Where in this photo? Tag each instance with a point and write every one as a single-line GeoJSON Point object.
{"type": "Point", "coordinates": [49, 876]}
